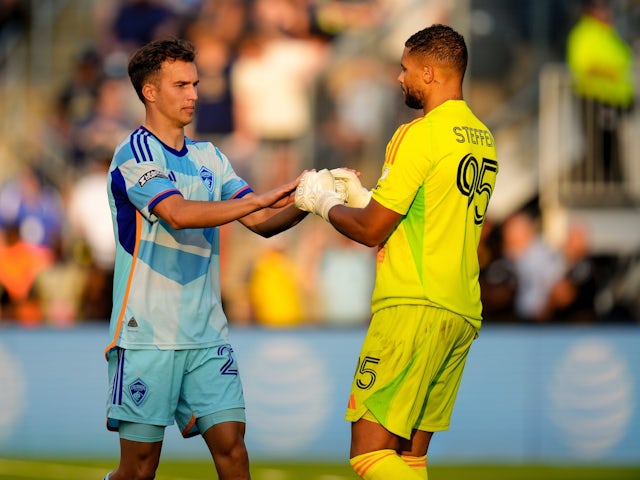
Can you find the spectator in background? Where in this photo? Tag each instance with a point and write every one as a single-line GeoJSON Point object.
{"type": "Point", "coordinates": [498, 281]}
{"type": "Point", "coordinates": [73, 103]}
{"type": "Point", "coordinates": [538, 267]}
{"type": "Point", "coordinates": [272, 79]}
{"type": "Point", "coordinates": [347, 270]}
{"type": "Point", "coordinates": [574, 295]}
{"type": "Point", "coordinates": [77, 98]}
{"type": "Point", "coordinates": [330, 18]}
{"type": "Point", "coordinates": [59, 288]}
{"type": "Point", "coordinates": [137, 22]}
{"type": "Point", "coordinates": [601, 64]}
{"type": "Point", "coordinates": [21, 263]}
{"type": "Point", "coordinates": [340, 274]}
{"type": "Point", "coordinates": [111, 118]}
{"type": "Point", "coordinates": [31, 202]}
{"type": "Point", "coordinates": [216, 31]}
{"type": "Point", "coordinates": [226, 19]}
{"type": "Point", "coordinates": [94, 108]}
{"type": "Point", "coordinates": [214, 117]}
{"type": "Point", "coordinates": [352, 104]}
{"type": "Point", "coordinates": [32, 218]}
{"type": "Point", "coordinates": [92, 233]}
{"type": "Point", "coordinates": [275, 291]}
{"type": "Point", "coordinates": [14, 19]}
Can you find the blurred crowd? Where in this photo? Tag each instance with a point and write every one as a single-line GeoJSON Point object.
{"type": "Point", "coordinates": [526, 278]}
{"type": "Point", "coordinates": [277, 94]}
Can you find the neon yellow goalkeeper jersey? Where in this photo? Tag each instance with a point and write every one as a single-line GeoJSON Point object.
{"type": "Point", "coordinates": [439, 173]}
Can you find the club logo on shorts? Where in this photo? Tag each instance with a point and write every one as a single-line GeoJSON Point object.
{"type": "Point", "coordinates": [206, 176]}
{"type": "Point", "coordinates": [138, 391]}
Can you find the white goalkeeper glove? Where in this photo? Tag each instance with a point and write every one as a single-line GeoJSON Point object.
{"type": "Point", "coordinates": [316, 193]}
{"type": "Point", "coordinates": [348, 185]}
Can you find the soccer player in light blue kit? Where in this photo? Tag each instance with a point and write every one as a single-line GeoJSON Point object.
{"type": "Point", "coordinates": [169, 356]}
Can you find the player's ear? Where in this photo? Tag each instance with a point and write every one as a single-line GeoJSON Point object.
{"type": "Point", "coordinates": [427, 73]}
{"type": "Point", "coordinates": [149, 92]}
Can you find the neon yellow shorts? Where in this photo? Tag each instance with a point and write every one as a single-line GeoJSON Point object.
{"type": "Point", "coordinates": [410, 368]}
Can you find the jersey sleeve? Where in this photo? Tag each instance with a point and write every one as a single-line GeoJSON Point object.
{"type": "Point", "coordinates": [404, 170]}
{"type": "Point", "coordinates": [145, 178]}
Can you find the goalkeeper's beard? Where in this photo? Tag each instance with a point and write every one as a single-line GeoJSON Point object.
{"type": "Point", "coordinates": [411, 100]}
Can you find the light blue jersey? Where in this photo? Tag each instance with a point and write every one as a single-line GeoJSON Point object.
{"type": "Point", "coordinates": [166, 282]}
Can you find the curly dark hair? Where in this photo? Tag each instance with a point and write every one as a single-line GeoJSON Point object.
{"type": "Point", "coordinates": [147, 60]}
{"type": "Point", "coordinates": [441, 43]}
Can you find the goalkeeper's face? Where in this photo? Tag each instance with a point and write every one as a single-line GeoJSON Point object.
{"type": "Point", "coordinates": [410, 79]}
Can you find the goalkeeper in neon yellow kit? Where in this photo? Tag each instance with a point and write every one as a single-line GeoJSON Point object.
{"type": "Point", "coordinates": [425, 215]}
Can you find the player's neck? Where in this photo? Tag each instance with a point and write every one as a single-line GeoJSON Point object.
{"type": "Point", "coordinates": [171, 136]}
{"type": "Point", "coordinates": [433, 105]}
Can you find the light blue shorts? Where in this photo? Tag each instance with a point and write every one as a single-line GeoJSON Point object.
{"type": "Point", "coordinates": [158, 387]}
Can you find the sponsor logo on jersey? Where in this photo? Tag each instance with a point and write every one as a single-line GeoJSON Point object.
{"type": "Point", "coordinates": [138, 391]}
{"type": "Point", "coordinates": [150, 175]}
{"type": "Point", "coordinates": [206, 176]}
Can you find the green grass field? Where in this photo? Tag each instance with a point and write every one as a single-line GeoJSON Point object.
{"type": "Point", "coordinates": [52, 469]}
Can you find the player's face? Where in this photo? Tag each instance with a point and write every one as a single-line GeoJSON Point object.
{"type": "Point", "coordinates": [410, 79]}
{"type": "Point", "coordinates": [176, 91]}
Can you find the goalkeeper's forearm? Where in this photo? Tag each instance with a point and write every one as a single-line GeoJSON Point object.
{"type": "Point", "coordinates": [350, 222]}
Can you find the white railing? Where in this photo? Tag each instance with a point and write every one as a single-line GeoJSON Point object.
{"type": "Point", "coordinates": [573, 184]}
{"type": "Point", "coordinates": [573, 171]}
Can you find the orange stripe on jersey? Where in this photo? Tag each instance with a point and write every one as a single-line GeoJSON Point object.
{"type": "Point", "coordinates": [397, 140]}
{"type": "Point", "coordinates": [352, 402]}
{"type": "Point", "coordinates": [129, 280]}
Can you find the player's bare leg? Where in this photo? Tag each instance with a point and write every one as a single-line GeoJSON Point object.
{"type": "Point", "coordinates": [418, 445]}
{"type": "Point", "coordinates": [228, 450]}
{"type": "Point", "coordinates": [138, 460]}
{"type": "Point", "coordinates": [369, 436]}
{"type": "Point", "coordinates": [414, 451]}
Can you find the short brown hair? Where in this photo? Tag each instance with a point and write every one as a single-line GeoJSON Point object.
{"type": "Point", "coordinates": [148, 59]}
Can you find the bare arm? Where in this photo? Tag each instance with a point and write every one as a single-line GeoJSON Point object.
{"type": "Point", "coordinates": [181, 213]}
{"type": "Point", "coordinates": [369, 226]}
{"type": "Point", "coordinates": [271, 221]}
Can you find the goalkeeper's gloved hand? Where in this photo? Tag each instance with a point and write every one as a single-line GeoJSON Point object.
{"type": "Point", "coordinates": [348, 184]}
{"type": "Point", "coordinates": [316, 194]}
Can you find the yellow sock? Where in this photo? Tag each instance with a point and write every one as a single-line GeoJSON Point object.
{"type": "Point", "coordinates": [417, 464]}
{"type": "Point", "coordinates": [382, 465]}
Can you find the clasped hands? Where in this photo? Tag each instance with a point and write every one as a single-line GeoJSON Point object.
{"type": "Point", "coordinates": [319, 191]}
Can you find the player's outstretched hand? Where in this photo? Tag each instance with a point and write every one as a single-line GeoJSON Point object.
{"type": "Point", "coordinates": [348, 185]}
{"type": "Point", "coordinates": [281, 196]}
{"type": "Point", "coordinates": [316, 193]}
